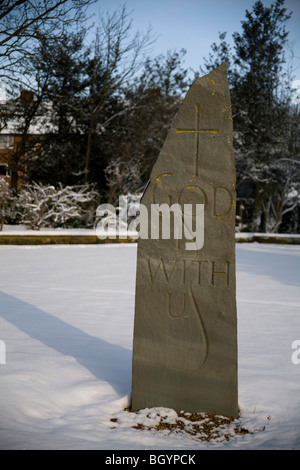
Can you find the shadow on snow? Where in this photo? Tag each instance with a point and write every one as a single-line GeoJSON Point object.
{"type": "Point", "coordinates": [106, 361]}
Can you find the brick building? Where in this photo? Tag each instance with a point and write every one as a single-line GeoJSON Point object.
{"type": "Point", "coordinates": [12, 140]}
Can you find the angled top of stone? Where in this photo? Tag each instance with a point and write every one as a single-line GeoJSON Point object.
{"type": "Point", "coordinates": [203, 121]}
{"type": "Point", "coordinates": [211, 94]}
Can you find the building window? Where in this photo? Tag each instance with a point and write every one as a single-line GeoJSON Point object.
{"type": "Point", "coordinates": [6, 141]}
{"type": "Point", "coordinates": [4, 170]}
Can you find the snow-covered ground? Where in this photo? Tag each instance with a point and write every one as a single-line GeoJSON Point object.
{"type": "Point", "coordinates": [66, 319]}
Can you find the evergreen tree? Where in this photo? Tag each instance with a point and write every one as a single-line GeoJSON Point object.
{"type": "Point", "coordinates": [265, 135]}
{"type": "Point", "coordinates": [58, 154]}
{"type": "Point", "coordinates": [259, 115]}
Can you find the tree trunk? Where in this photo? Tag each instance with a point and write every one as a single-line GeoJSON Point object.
{"type": "Point", "coordinates": [89, 148]}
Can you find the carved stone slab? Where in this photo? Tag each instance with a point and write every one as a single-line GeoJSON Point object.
{"type": "Point", "coordinates": [185, 331]}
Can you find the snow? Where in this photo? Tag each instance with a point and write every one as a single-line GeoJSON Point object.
{"type": "Point", "coordinates": [256, 236]}
{"type": "Point", "coordinates": [66, 318]}
{"type": "Point", "coordinates": [24, 230]}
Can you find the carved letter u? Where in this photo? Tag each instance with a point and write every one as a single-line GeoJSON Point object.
{"type": "Point", "coordinates": [178, 313]}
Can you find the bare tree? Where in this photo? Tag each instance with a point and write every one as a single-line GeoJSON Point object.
{"type": "Point", "coordinates": [118, 55]}
{"type": "Point", "coordinates": [21, 24]}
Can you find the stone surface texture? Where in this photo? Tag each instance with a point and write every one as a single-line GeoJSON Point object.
{"type": "Point", "coordinates": [185, 330]}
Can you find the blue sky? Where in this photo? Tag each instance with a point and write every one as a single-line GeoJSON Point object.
{"type": "Point", "coordinates": [194, 24]}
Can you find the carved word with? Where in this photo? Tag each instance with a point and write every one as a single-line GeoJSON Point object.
{"type": "Point", "coordinates": [199, 271]}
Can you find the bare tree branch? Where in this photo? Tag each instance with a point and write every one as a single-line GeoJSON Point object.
{"type": "Point", "coordinates": [22, 22]}
{"type": "Point", "coordinates": [10, 8]}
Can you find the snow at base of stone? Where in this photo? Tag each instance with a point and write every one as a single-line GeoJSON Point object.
{"type": "Point", "coordinates": [195, 426]}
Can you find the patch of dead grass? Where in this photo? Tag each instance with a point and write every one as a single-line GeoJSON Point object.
{"type": "Point", "coordinates": [202, 426]}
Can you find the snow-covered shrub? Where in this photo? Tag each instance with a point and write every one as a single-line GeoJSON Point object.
{"type": "Point", "coordinates": [119, 218]}
{"type": "Point", "coordinates": [13, 208]}
{"type": "Point", "coordinates": [65, 207]}
{"type": "Point", "coordinates": [4, 191]}
{"type": "Point", "coordinates": [123, 177]}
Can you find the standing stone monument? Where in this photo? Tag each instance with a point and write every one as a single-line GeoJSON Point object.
{"type": "Point", "coordinates": [185, 331]}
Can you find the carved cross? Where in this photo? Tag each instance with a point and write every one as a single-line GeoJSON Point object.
{"type": "Point", "coordinates": [197, 132]}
